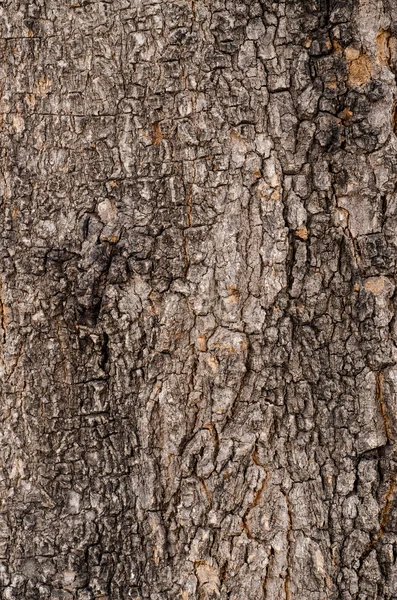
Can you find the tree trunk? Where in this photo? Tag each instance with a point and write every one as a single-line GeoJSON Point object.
{"type": "Point", "coordinates": [199, 244]}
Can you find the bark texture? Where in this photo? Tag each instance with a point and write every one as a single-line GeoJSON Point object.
{"type": "Point", "coordinates": [198, 336]}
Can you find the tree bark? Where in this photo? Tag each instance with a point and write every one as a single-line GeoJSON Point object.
{"type": "Point", "coordinates": [198, 270]}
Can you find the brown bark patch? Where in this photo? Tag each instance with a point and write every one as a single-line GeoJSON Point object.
{"type": "Point", "coordinates": [346, 114]}
{"type": "Point", "coordinates": [384, 515]}
{"type": "Point", "coordinates": [382, 47]}
{"type": "Point", "coordinates": [205, 490]}
{"type": "Point", "coordinates": [358, 67]}
{"type": "Point", "coordinates": [302, 233]}
{"type": "Point", "coordinates": [42, 87]}
{"type": "Point", "coordinates": [213, 364]}
{"type": "Point", "coordinates": [375, 285]}
{"type": "Point", "coordinates": [234, 294]}
{"type": "Point", "coordinates": [332, 83]}
{"type": "Point", "coordinates": [3, 311]}
{"type": "Point", "coordinates": [379, 397]}
{"type": "Point", "coordinates": [202, 342]}
{"type": "Point", "coordinates": [157, 135]}
{"type": "Point", "coordinates": [394, 119]}
{"type": "Point", "coordinates": [189, 208]}
{"type": "Point", "coordinates": [336, 47]}
{"type": "Point", "coordinates": [235, 135]}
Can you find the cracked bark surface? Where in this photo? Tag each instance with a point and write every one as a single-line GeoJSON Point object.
{"type": "Point", "coordinates": [198, 334]}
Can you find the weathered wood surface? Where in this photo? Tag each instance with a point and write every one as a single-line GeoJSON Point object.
{"type": "Point", "coordinates": [198, 254]}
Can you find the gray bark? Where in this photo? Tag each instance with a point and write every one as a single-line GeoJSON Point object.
{"type": "Point", "coordinates": [198, 257]}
